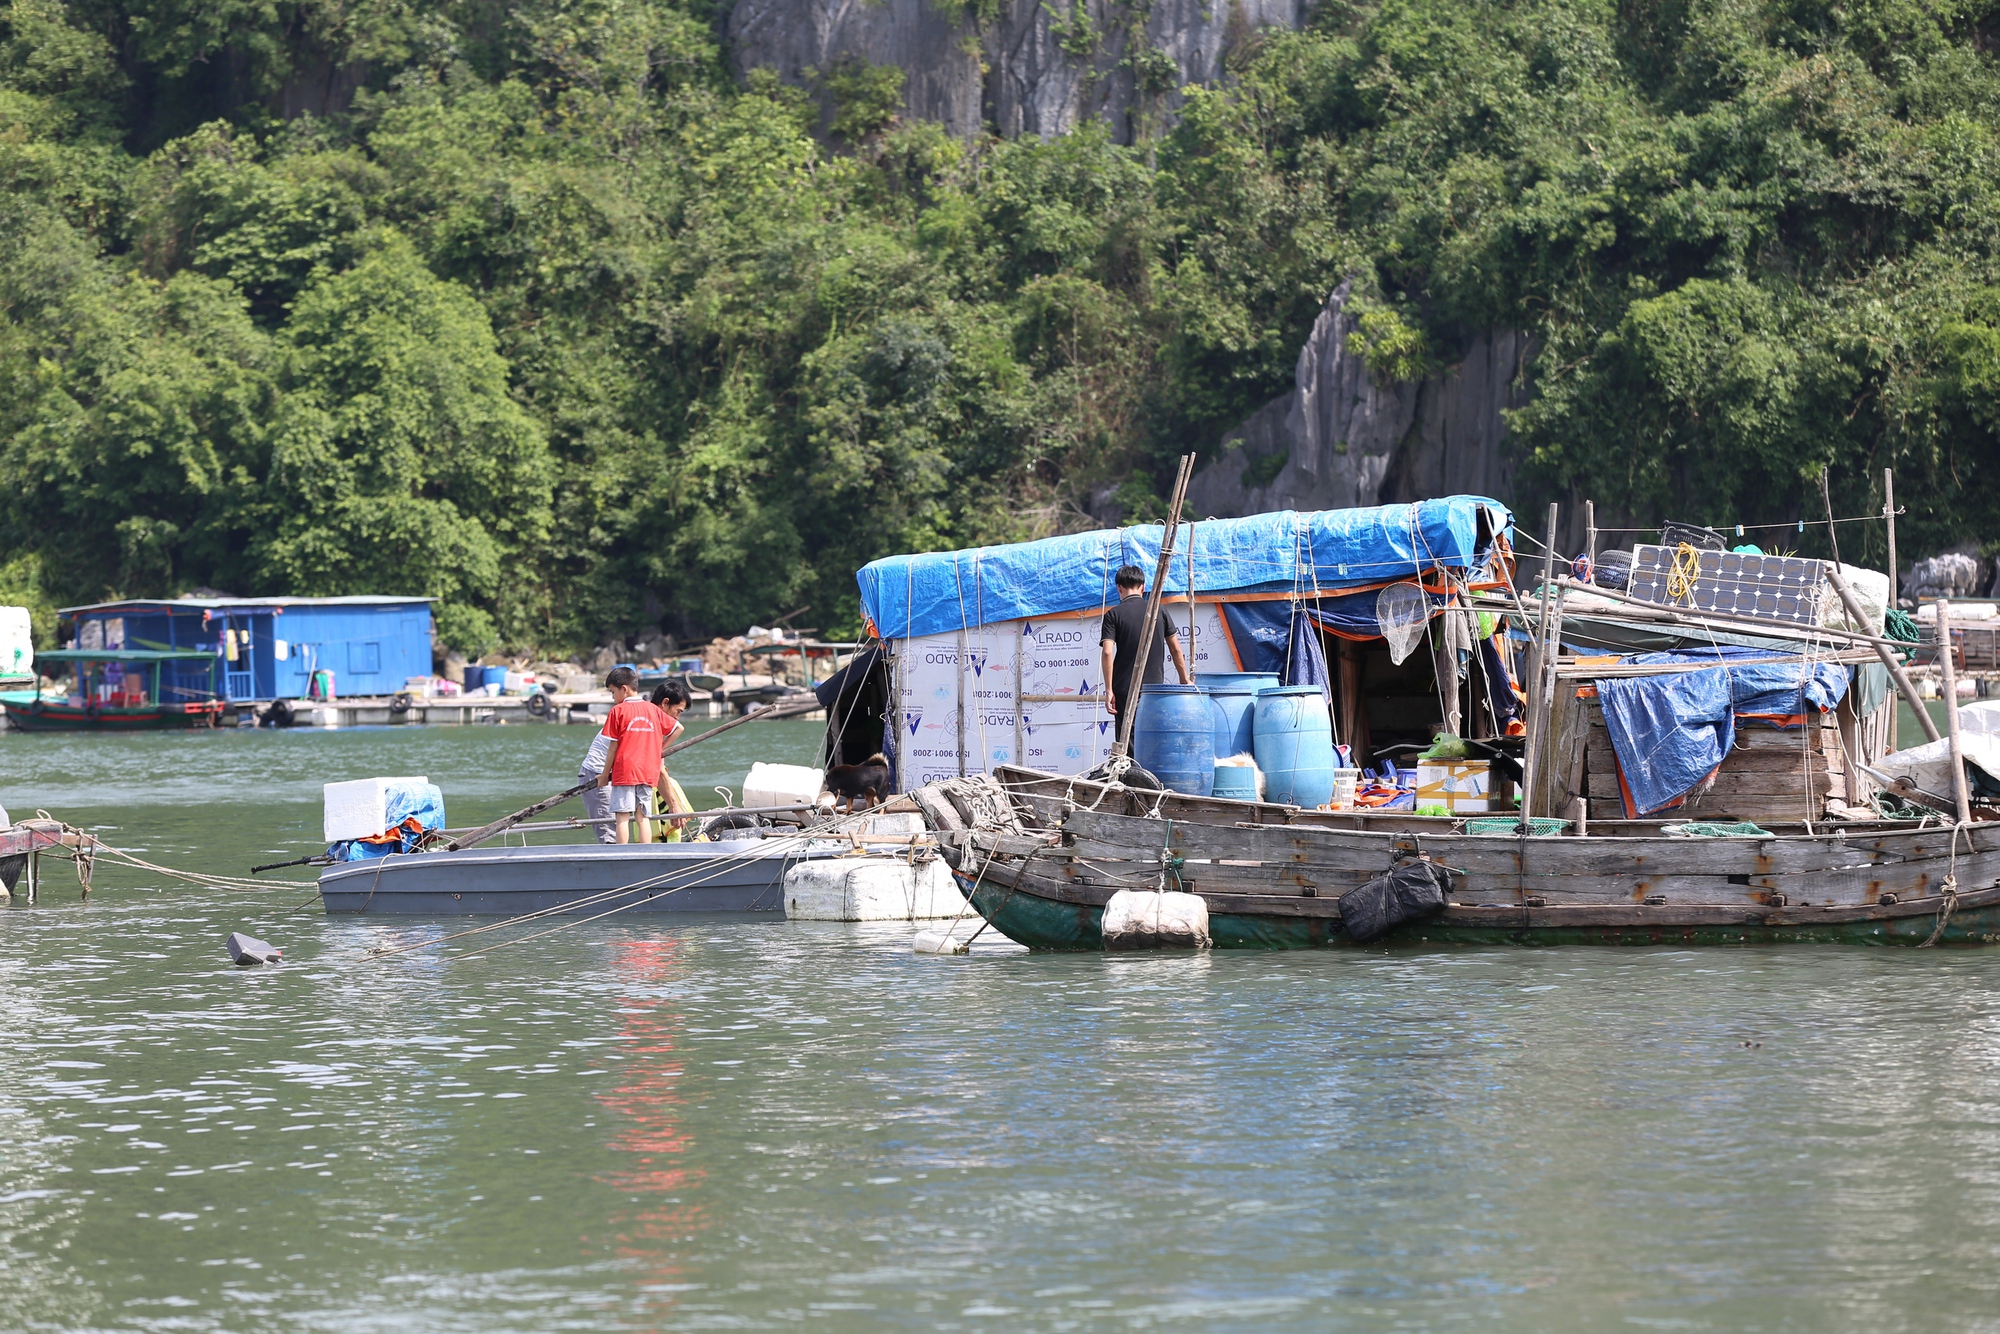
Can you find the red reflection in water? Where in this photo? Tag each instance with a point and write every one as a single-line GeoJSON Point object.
{"type": "Point", "coordinates": [652, 1110]}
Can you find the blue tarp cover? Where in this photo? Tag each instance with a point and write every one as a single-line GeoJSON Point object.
{"type": "Point", "coordinates": [1671, 731]}
{"type": "Point", "coordinates": [1325, 549]}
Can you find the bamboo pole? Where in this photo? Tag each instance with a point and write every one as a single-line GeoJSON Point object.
{"type": "Point", "coordinates": [506, 822]}
{"type": "Point", "coordinates": [1889, 518]}
{"type": "Point", "coordinates": [1538, 714]}
{"type": "Point", "coordinates": [1129, 708]}
{"type": "Point", "coordinates": [1904, 686]}
{"type": "Point", "coordinates": [1895, 579]}
{"type": "Point", "coordinates": [1960, 796]}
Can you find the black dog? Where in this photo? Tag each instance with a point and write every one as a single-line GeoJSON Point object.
{"type": "Point", "coordinates": [851, 782]}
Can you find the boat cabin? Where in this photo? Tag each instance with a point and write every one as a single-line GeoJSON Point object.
{"type": "Point", "coordinates": [269, 648]}
{"type": "Point", "coordinates": [119, 690]}
{"type": "Point", "coordinates": [1711, 690]}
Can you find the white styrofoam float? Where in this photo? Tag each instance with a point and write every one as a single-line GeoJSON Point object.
{"type": "Point", "coordinates": [870, 889]}
{"type": "Point", "coordinates": [359, 809]}
{"type": "Point", "coordinates": [1151, 919]}
{"type": "Point", "coordinates": [781, 785]}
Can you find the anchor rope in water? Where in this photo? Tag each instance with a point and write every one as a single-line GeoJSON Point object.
{"type": "Point", "coordinates": [719, 866]}
{"type": "Point", "coordinates": [715, 866]}
{"type": "Point", "coordinates": [97, 847]}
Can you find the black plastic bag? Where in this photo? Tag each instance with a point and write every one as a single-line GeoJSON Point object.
{"type": "Point", "coordinates": [1414, 889]}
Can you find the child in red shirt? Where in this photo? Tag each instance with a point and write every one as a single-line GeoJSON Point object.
{"type": "Point", "coordinates": [637, 731]}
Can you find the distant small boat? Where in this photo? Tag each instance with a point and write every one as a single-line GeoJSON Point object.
{"type": "Point", "coordinates": [122, 690]}
{"type": "Point", "coordinates": [745, 875]}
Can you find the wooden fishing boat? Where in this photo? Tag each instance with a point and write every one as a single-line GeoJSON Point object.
{"type": "Point", "coordinates": [1042, 855]}
{"type": "Point", "coordinates": [122, 690]}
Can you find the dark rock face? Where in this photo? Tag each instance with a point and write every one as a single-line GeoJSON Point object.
{"type": "Point", "coordinates": [1024, 72]}
{"type": "Point", "coordinates": [1343, 437]}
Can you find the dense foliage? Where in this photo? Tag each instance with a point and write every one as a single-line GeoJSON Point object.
{"type": "Point", "coordinates": [532, 307]}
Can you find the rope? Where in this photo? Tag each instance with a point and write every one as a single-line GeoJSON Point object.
{"type": "Point", "coordinates": [1681, 578]}
{"type": "Point", "coordinates": [1950, 888]}
{"type": "Point", "coordinates": [97, 847]}
{"type": "Point", "coordinates": [1171, 862]}
{"type": "Point", "coordinates": [715, 866]}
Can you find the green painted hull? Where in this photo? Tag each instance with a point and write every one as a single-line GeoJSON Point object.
{"type": "Point", "coordinates": [1048, 924]}
{"type": "Point", "coordinates": [24, 715]}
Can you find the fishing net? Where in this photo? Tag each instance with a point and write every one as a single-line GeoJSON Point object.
{"type": "Point", "coordinates": [1403, 611]}
{"type": "Point", "coordinates": [1541, 826]}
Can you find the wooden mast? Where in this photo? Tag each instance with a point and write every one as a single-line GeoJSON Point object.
{"type": "Point", "coordinates": [1961, 797]}
{"type": "Point", "coordinates": [1538, 713]}
{"type": "Point", "coordinates": [1896, 589]}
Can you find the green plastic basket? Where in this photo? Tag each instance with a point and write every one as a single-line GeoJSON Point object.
{"type": "Point", "coordinates": [1540, 826]}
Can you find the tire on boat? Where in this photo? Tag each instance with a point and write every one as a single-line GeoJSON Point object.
{"type": "Point", "coordinates": [400, 702]}
{"type": "Point", "coordinates": [538, 704]}
{"type": "Point", "coordinates": [280, 714]}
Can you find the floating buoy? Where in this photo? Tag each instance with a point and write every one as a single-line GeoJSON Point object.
{"type": "Point", "coordinates": [248, 950]}
{"type": "Point", "coordinates": [1137, 919]}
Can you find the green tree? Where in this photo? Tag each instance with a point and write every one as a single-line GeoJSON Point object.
{"type": "Point", "coordinates": [399, 461]}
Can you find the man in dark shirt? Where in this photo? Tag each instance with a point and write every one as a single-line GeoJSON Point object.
{"type": "Point", "coordinates": [1123, 625]}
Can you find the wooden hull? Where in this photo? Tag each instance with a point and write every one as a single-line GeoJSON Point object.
{"type": "Point", "coordinates": [1274, 881]}
{"type": "Point", "coordinates": [151, 718]}
{"type": "Point", "coordinates": [1030, 916]}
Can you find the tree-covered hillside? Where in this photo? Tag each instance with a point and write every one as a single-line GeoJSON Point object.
{"type": "Point", "coordinates": [532, 307]}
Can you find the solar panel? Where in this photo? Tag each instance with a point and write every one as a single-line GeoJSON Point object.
{"type": "Point", "coordinates": [1779, 588]}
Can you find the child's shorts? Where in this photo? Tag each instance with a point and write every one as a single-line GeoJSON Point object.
{"type": "Point", "coordinates": [635, 798]}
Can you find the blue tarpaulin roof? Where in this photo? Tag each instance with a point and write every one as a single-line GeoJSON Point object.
{"type": "Point", "coordinates": [1326, 550]}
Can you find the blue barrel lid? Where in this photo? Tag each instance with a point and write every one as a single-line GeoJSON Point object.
{"type": "Point", "coordinates": [1170, 688]}
{"type": "Point", "coordinates": [1290, 690]}
{"type": "Point", "coordinates": [1234, 683]}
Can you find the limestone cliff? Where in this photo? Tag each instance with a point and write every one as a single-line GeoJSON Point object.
{"type": "Point", "coordinates": [1036, 67]}
{"type": "Point", "coordinates": [1344, 437]}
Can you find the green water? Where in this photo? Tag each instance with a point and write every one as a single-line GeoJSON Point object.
{"type": "Point", "coordinates": [722, 1124]}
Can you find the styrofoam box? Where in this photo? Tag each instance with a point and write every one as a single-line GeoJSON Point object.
{"type": "Point", "coordinates": [359, 809]}
{"type": "Point", "coordinates": [781, 785]}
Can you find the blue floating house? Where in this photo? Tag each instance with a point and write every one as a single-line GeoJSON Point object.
{"type": "Point", "coordinates": [270, 647]}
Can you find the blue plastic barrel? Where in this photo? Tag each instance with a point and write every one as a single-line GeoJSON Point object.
{"type": "Point", "coordinates": [475, 677]}
{"type": "Point", "coordinates": [1238, 782]}
{"type": "Point", "coordinates": [1234, 695]}
{"type": "Point", "coordinates": [1294, 745]}
{"type": "Point", "coordinates": [1174, 737]}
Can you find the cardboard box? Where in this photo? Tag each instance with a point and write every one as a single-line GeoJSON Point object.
{"type": "Point", "coordinates": [1462, 785]}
